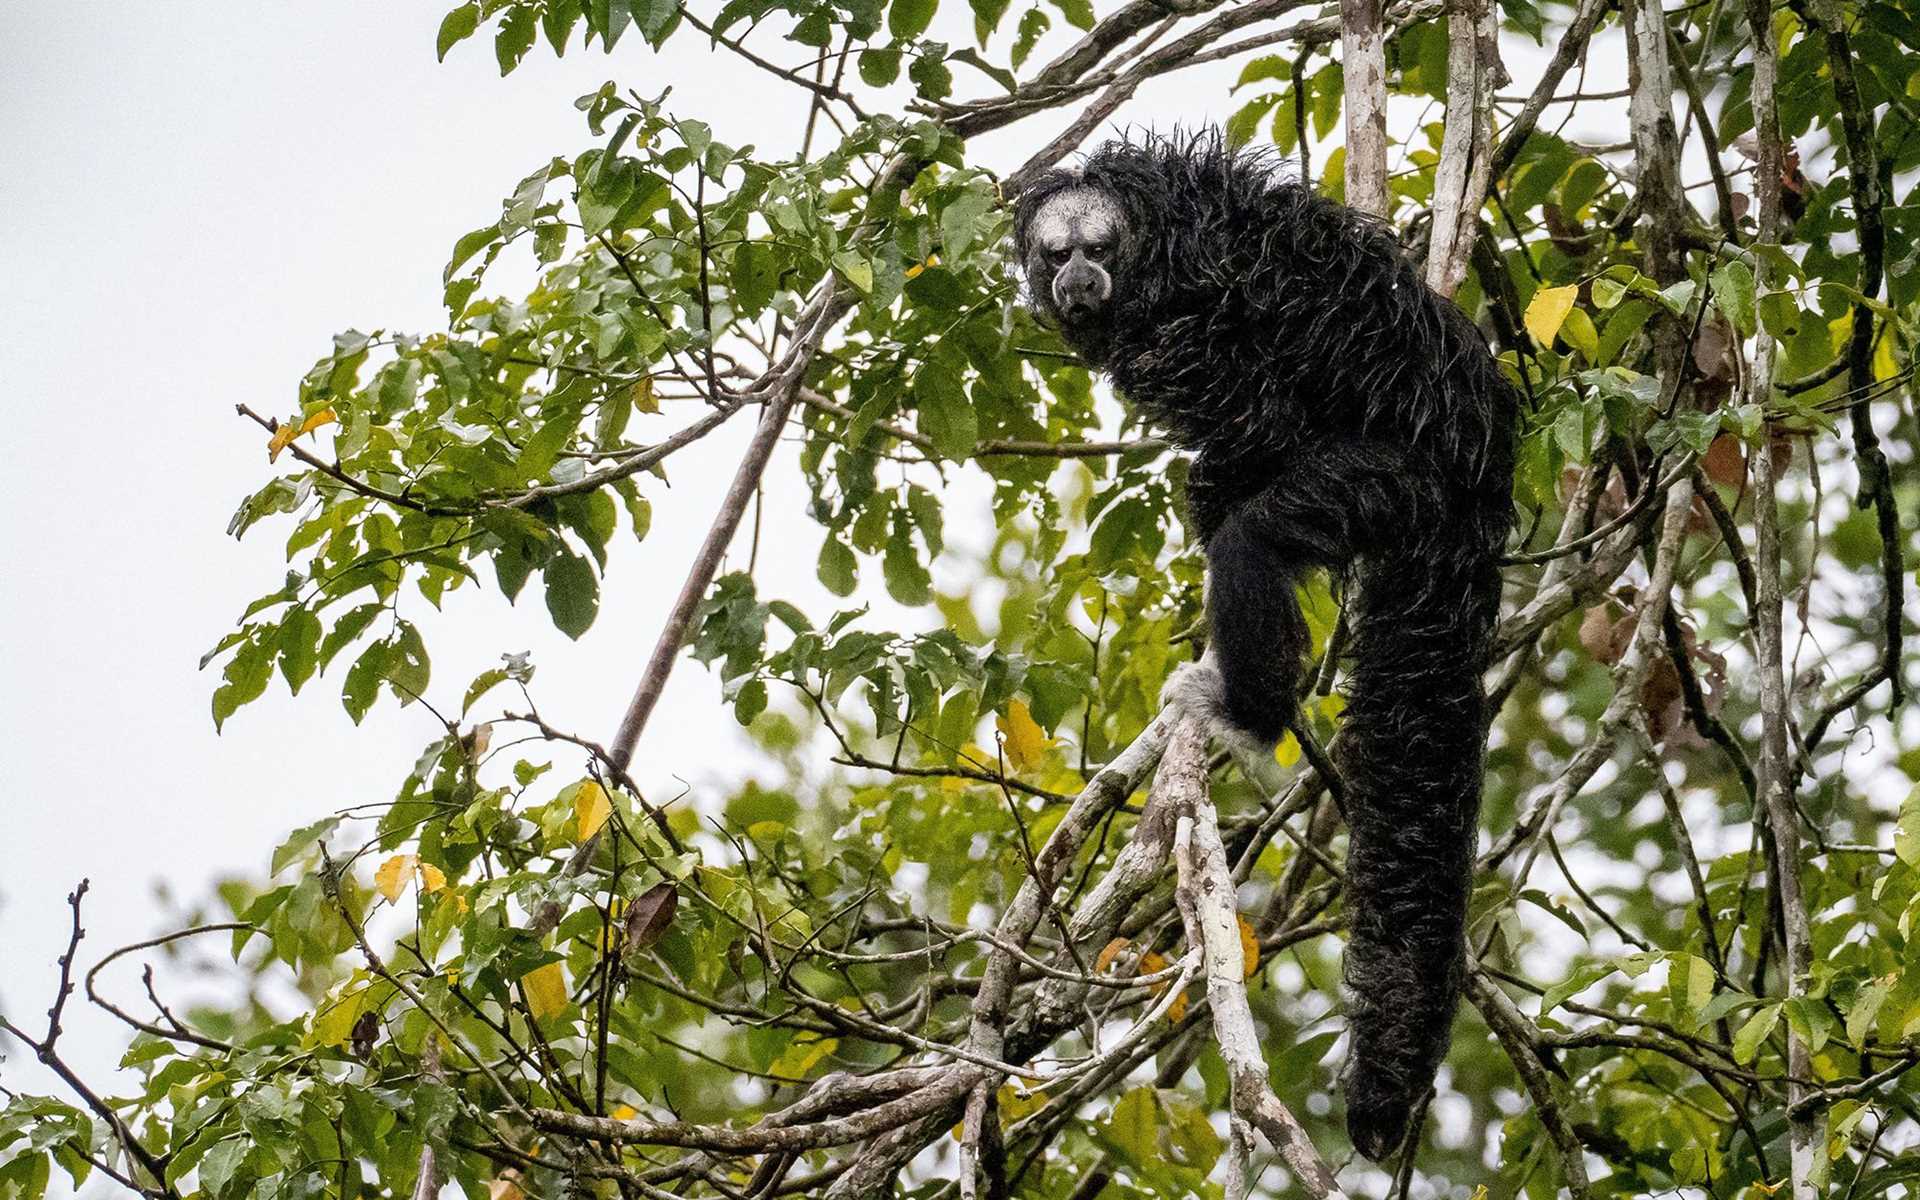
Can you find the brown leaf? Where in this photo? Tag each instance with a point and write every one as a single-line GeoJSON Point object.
{"type": "Point", "coordinates": [1112, 950]}
{"type": "Point", "coordinates": [1604, 633]}
{"type": "Point", "coordinates": [650, 916]}
{"type": "Point", "coordinates": [1713, 355]}
{"type": "Point", "coordinates": [1660, 697]}
{"type": "Point", "coordinates": [1725, 461]}
{"type": "Point", "coordinates": [1249, 948]}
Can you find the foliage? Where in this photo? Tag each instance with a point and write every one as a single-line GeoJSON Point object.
{"type": "Point", "coordinates": [519, 932]}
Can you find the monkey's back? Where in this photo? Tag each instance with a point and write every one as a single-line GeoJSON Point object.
{"type": "Point", "coordinates": [1278, 323]}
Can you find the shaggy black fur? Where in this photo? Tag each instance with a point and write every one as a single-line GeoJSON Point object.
{"type": "Point", "coordinates": [1342, 417]}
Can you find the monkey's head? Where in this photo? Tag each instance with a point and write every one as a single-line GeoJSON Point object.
{"type": "Point", "coordinates": [1077, 243]}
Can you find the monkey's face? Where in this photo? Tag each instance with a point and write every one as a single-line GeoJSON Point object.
{"type": "Point", "coordinates": [1075, 244]}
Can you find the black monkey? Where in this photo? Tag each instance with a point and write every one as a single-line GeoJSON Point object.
{"type": "Point", "coordinates": [1343, 417]}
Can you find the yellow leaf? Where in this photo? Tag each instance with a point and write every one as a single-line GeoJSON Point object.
{"type": "Point", "coordinates": [1884, 368]}
{"type": "Point", "coordinates": [1026, 742]}
{"type": "Point", "coordinates": [432, 878]}
{"type": "Point", "coordinates": [546, 990]}
{"type": "Point", "coordinates": [801, 1057]}
{"type": "Point", "coordinates": [1249, 947]}
{"type": "Point", "coordinates": [1016, 1102]}
{"type": "Point", "coordinates": [933, 260]}
{"type": "Point", "coordinates": [624, 1112]}
{"type": "Point", "coordinates": [643, 397]}
{"type": "Point", "coordinates": [391, 879]}
{"type": "Point", "coordinates": [1581, 335]}
{"type": "Point", "coordinates": [611, 932]}
{"type": "Point", "coordinates": [324, 417]}
{"type": "Point", "coordinates": [1112, 950]}
{"type": "Point", "coordinates": [333, 1020]}
{"type": "Point", "coordinates": [591, 807]}
{"type": "Point", "coordinates": [1150, 963]}
{"type": "Point", "coordinates": [1177, 1011]}
{"type": "Point", "coordinates": [1287, 752]}
{"type": "Point", "coordinates": [1548, 308]}
{"type": "Point", "coordinates": [282, 438]}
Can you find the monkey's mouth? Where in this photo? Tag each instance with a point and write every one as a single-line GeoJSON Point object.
{"type": "Point", "coordinates": [1080, 314]}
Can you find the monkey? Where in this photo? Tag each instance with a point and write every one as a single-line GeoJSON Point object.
{"type": "Point", "coordinates": [1341, 417]}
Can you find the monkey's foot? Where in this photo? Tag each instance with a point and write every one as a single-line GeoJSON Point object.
{"type": "Point", "coordinates": [1199, 691]}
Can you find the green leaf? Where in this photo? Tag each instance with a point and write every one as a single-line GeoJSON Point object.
{"type": "Point", "coordinates": [362, 684]}
{"type": "Point", "coordinates": [879, 68]}
{"type": "Point", "coordinates": [514, 37]}
{"type": "Point", "coordinates": [246, 677]}
{"type": "Point", "coordinates": [299, 647]}
{"type": "Point", "coordinates": [573, 594]}
{"type": "Point", "coordinates": [1733, 288]}
{"type": "Point", "coordinates": [1242, 125]}
{"type": "Point", "coordinates": [482, 683]}
{"type": "Point", "coordinates": [1033, 23]}
{"type": "Point", "coordinates": [838, 569]}
{"type": "Point", "coordinates": [456, 27]}
{"type": "Point", "coordinates": [1578, 331]}
{"type": "Point", "coordinates": [907, 580]}
{"type": "Point", "coordinates": [1906, 837]}
{"type": "Point", "coordinates": [750, 701]}
{"type": "Point", "coordinates": [222, 1163]}
{"type": "Point", "coordinates": [931, 78]}
{"type": "Point", "coordinates": [1866, 1010]}
{"type": "Point", "coordinates": [407, 669]}
{"type": "Point", "coordinates": [469, 245]}
{"type": "Point", "coordinates": [964, 219]}
{"type": "Point", "coordinates": [298, 841]}
{"type": "Point", "coordinates": [1583, 977]}
{"type": "Point", "coordinates": [855, 270]}
{"type": "Point", "coordinates": [1079, 13]}
{"type": "Point", "coordinates": [1700, 981]}
{"type": "Point", "coordinates": [945, 416]}
{"type": "Point", "coordinates": [908, 19]}
{"type": "Point", "coordinates": [1132, 1127]}
{"type": "Point", "coordinates": [1746, 1043]}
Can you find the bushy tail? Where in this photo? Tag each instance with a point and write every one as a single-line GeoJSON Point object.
{"type": "Point", "coordinates": [1411, 753]}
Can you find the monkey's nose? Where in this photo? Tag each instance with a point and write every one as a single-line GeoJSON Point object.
{"type": "Point", "coordinates": [1081, 299]}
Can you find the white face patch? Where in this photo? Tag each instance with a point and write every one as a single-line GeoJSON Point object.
{"type": "Point", "coordinates": [1078, 216]}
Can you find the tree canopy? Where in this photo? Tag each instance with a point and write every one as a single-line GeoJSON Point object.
{"type": "Point", "coordinates": [987, 923]}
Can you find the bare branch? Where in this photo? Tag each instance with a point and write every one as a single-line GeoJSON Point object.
{"type": "Point", "coordinates": [1363, 54]}
{"type": "Point", "coordinates": [1804, 1137]}
{"type": "Point", "coordinates": [1208, 908]}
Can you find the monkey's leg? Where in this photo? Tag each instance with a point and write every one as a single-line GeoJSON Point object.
{"type": "Point", "coordinates": [1410, 755]}
{"type": "Point", "coordinates": [1246, 683]}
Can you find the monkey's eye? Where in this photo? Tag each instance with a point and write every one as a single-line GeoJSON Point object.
{"type": "Point", "coordinates": [1061, 256]}
{"type": "Point", "coordinates": [1097, 251]}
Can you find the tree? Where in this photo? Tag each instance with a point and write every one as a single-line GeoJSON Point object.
{"type": "Point", "coordinates": [974, 943]}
